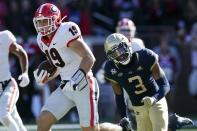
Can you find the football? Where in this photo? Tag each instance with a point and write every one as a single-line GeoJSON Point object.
{"type": "Point", "coordinates": [46, 65]}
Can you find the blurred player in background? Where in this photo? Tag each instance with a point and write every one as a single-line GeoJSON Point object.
{"type": "Point", "coordinates": [65, 49]}
{"type": "Point", "coordinates": [192, 78]}
{"type": "Point", "coordinates": [9, 92]}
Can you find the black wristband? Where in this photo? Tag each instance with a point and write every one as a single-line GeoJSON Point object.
{"type": "Point", "coordinates": [82, 71]}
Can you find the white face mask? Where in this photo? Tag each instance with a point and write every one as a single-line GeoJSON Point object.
{"type": "Point", "coordinates": [121, 55]}
{"type": "Point", "coordinates": [44, 25]}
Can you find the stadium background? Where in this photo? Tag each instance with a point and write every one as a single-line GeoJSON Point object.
{"type": "Point", "coordinates": [97, 19]}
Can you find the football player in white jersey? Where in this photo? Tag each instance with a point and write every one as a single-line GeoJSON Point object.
{"type": "Point", "coordinates": [9, 91]}
{"type": "Point", "coordinates": [65, 49]}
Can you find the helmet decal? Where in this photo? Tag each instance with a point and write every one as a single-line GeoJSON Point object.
{"type": "Point", "coordinates": [54, 9]}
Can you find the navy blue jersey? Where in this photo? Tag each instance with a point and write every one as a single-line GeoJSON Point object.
{"type": "Point", "coordinates": [136, 77]}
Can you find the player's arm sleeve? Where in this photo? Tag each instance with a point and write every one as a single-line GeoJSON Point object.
{"type": "Point", "coordinates": [119, 97]}
{"type": "Point", "coordinates": [121, 106]}
{"type": "Point", "coordinates": [161, 81]}
{"type": "Point", "coordinates": [72, 33]}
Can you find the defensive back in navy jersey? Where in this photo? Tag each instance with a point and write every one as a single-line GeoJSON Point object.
{"type": "Point", "coordinates": [136, 77]}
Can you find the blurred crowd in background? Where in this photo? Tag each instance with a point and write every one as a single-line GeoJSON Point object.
{"type": "Point", "coordinates": [166, 26]}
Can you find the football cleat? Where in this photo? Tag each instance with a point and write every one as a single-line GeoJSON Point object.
{"type": "Point", "coordinates": [177, 122]}
{"type": "Point", "coordinates": [125, 124]}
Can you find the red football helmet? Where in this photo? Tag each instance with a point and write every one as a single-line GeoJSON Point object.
{"type": "Point", "coordinates": [126, 27]}
{"type": "Point", "coordinates": [47, 18]}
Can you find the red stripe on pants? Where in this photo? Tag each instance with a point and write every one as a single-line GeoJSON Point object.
{"type": "Point", "coordinates": [10, 102]}
{"type": "Point", "coordinates": [91, 103]}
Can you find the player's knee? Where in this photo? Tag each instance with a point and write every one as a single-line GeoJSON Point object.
{"type": "Point", "coordinates": [95, 128]}
{"type": "Point", "coordinates": [46, 119]}
{"type": "Point", "coordinates": [41, 119]}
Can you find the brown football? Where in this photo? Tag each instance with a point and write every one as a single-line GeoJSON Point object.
{"type": "Point", "coordinates": [46, 65]}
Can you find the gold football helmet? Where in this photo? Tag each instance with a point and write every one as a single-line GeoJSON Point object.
{"type": "Point", "coordinates": [118, 49]}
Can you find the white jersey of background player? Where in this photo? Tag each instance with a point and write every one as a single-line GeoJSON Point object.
{"type": "Point", "coordinates": [128, 29]}
{"type": "Point", "coordinates": [9, 91]}
{"type": "Point", "coordinates": [64, 47]}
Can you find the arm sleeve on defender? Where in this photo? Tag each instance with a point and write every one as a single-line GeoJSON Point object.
{"type": "Point", "coordinates": [121, 106]}
{"type": "Point", "coordinates": [164, 88]}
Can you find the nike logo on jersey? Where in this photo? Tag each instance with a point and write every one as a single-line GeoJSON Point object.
{"type": "Point", "coordinates": [54, 43]}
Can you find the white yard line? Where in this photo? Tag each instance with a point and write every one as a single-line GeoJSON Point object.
{"type": "Point", "coordinates": [55, 127]}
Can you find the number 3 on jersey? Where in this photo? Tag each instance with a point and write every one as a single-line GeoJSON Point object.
{"type": "Point", "coordinates": [53, 54]}
{"type": "Point", "coordinates": [140, 86]}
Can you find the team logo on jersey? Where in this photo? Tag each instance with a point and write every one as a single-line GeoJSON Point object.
{"type": "Point", "coordinates": [139, 68]}
{"type": "Point", "coordinates": [113, 71]}
{"type": "Point", "coordinates": [120, 74]}
{"type": "Point", "coordinates": [54, 9]}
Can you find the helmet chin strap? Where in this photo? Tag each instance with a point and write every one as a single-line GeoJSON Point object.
{"type": "Point", "coordinates": [63, 18]}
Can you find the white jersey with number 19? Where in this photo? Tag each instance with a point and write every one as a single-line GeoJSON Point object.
{"type": "Point", "coordinates": [67, 63]}
{"type": "Point", "coordinates": [58, 52]}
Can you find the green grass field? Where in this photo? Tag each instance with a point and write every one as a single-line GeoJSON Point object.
{"type": "Point", "coordinates": [177, 130]}
{"type": "Point", "coordinates": [76, 127]}
{"type": "Point", "coordinates": [71, 127]}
